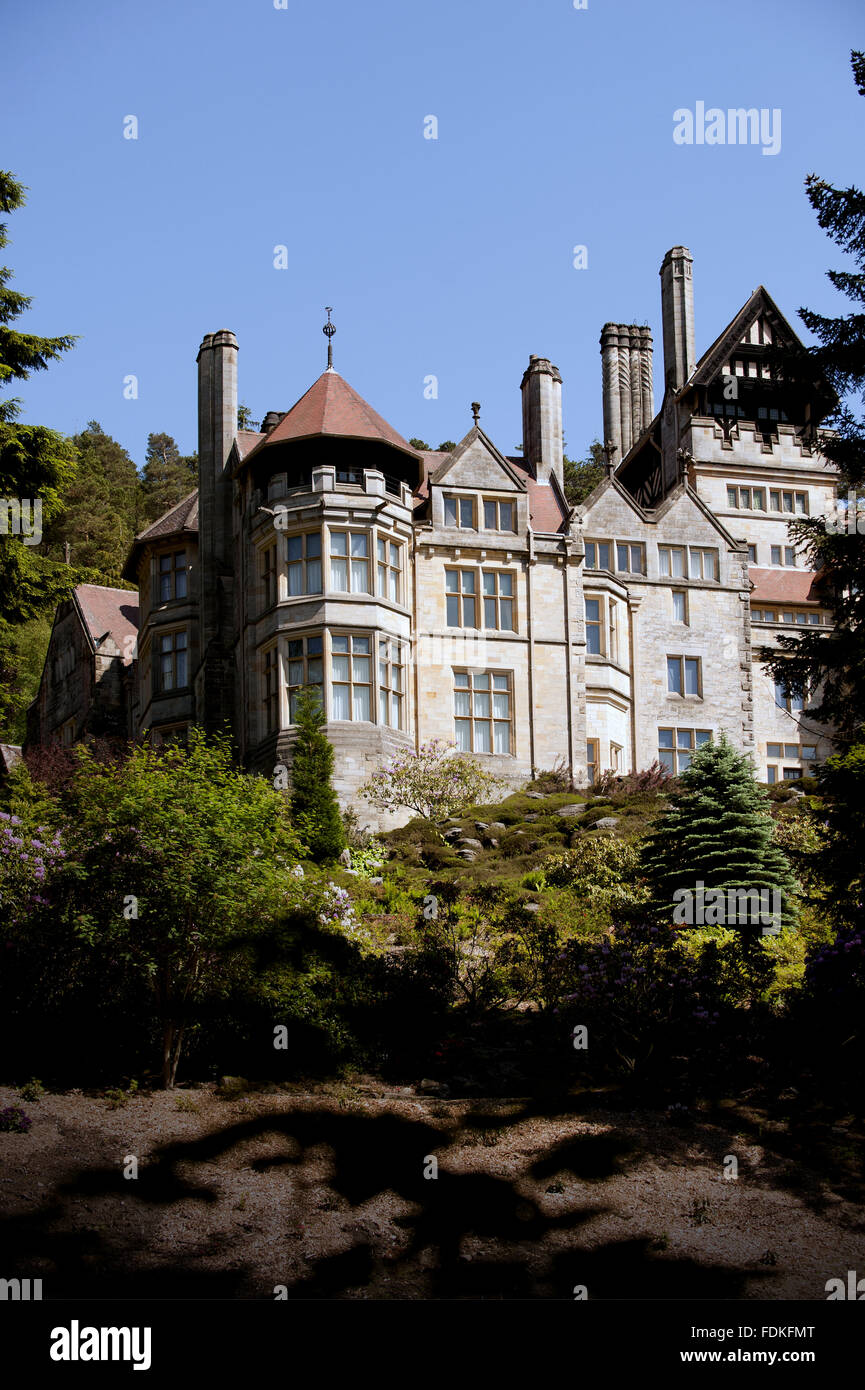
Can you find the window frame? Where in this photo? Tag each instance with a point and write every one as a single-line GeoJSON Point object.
{"type": "Point", "coordinates": [497, 598]}
{"type": "Point", "coordinates": [490, 720]}
{"type": "Point", "coordinates": [171, 574]}
{"type": "Point", "coordinates": [697, 739]}
{"type": "Point", "coordinates": [159, 636]}
{"type": "Point", "coordinates": [352, 683]}
{"type": "Point", "coordinates": [497, 503]}
{"type": "Point", "coordinates": [350, 559]}
{"type": "Point", "coordinates": [306, 657]}
{"type": "Point", "coordinates": [303, 562]}
{"type": "Point", "coordinates": [458, 500]}
{"type": "Point", "coordinates": [684, 661]}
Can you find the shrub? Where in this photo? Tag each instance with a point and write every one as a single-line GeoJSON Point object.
{"type": "Point", "coordinates": [592, 863]}
{"type": "Point", "coordinates": [436, 783]}
{"type": "Point", "coordinates": [32, 1090]}
{"type": "Point", "coordinates": [13, 1120]}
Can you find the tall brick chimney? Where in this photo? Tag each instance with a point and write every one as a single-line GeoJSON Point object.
{"type": "Point", "coordinates": [677, 307]}
{"type": "Point", "coordinates": [541, 389]}
{"type": "Point", "coordinates": [626, 358]}
{"type": "Point", "coordinates": [217, 429]}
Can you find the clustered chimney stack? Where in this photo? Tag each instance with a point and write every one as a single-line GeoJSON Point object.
{"type": "Point", "coordinates": [677, 306]}
{"type": "Point", "coordinates": [626, 357]}
{"type": "Point", "coordinates": [543, 447]}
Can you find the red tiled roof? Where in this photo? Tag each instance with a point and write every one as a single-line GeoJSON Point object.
{"type": "Point", "coordinates": [783, 586]}
{"type": "Point", "coordinates": [332, 407]}
{"type": "Point", "coordinates": [247, 440]}
{"type": "Point", "coordinates": [114, 611]}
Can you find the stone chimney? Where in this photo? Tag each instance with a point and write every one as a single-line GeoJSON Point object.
{"type": "Point", "coordinates": [217, 430]}
{"type": "Point", "coordinates": [626, 357]}
{"type": "Point", "coordinates": [271, 420]}
{"type": "Point", "coordinates": [541, 388]}
{"type": "Point", "coordinates": [677, 306]}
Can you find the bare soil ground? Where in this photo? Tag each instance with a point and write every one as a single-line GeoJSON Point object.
{"type": "Point", "coordinates": [324, 1191]}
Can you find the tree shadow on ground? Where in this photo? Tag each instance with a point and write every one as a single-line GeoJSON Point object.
{"type": "Point", "coordinates": [472, 1235]}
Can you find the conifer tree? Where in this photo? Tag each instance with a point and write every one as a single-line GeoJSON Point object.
{"type": "Point", "coordinates": [168, 476]}
{"type": "Point", "coordinates": [314, 807]}
{"type": "Point", "coordinates": [717, 830]}
{"type": "Point", "coordinates": [36, 465]}
{"type": "Point", "coordinates": [101, 507]}
{"type": "Point", "coordinates": [831, 666]}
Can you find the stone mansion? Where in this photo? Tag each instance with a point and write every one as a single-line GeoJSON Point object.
{"type": "Point", "coordinates": [458, 596]}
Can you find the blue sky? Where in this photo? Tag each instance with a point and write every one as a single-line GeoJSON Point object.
{"type": "Point", "coordinates": [303, 127]}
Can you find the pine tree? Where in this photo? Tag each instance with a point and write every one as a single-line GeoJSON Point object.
{"type": "Point", "coordinates": [314, 807]}
{"type": "Point", "coordinates": [36, 465]}
{"type": "Point", "coordinates": [831, 666]}
{"type": "Point", "coordinates": [716, 831]}
{"type": "Point", "coordinates": [168, 476]}
{"type": "Point", "coordinates": [101, 507]}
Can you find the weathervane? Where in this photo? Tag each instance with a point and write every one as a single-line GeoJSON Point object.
{"type": "Point", "coordinates": [329, 330]}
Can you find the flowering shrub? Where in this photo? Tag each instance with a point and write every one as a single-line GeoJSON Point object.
{"type": "Point", "coordinates": [337, 912]}
{"type": "Point", "coordinates": [27, 859]}
{"type": "Point", "coordinates": [437, 783]}
{"type": "Point", "coordinates": [13, 1120]}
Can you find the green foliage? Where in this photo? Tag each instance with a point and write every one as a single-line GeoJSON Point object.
{"type": "Point", "coordinates": [168, 475]}
{"type": "Point", "coordinates": [36, 466]}
{"type": "Point", "coordinates": [717, 830]}
{"type": "Point", "coordinates": [832, 665]}
{"type": "Point", "coordinates": [175, 858]}
{"type": "Point", "coordinates": [32, 1090]}
{"type": "Point", "coordinates": [421, 445]}
{"type": "Point", "coordinates": [101, 508]}
{"type": "Point", "coordinates": [835, 852]}
{"type": "Point", "coordinates": [593, 863]}
{"type": "Point", "coordinates": [582, 476]}
{"type": "Point", "coordinates": [314, 805]}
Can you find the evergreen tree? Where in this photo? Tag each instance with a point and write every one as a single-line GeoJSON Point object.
{"type": "Point", "coordinates": [716, 831]}
{"type": "Point", "coordinates": [831, 666]}
{"type": "Point", "coordinates": [36, 465]}
{"type": "Point", "coordinates": [168, 476]}
{"type": "Point", "coordinates": [314, 807]}
{"type": "Point", "coordinates": [101, 507]}
{"type": "Point", "coordinates": [582, 476]}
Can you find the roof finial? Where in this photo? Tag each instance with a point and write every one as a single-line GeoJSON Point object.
{"type": "Point", "coordinates": [329, 330]}
{"type": "Point", "coordinates": [476, 410]}
{"type": "Point", "coordinates": [610, 451]}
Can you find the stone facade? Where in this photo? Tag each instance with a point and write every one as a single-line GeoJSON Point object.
{"type": "Point", "coordinates": [457, 596]}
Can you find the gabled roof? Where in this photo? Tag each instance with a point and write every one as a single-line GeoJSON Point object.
{"type": "Point", "coordinates": [477, 436]}
{"type": "Point", "coordinates": [111, 611]}
{"type": "Point", "coordinates": [179, 520]}
{"type": "Point", "coordinates": [548, 509]}
{"type": "Point", "coordinates": [333, 408]}
{"type": "Point", "coordinates": [758, 304]}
